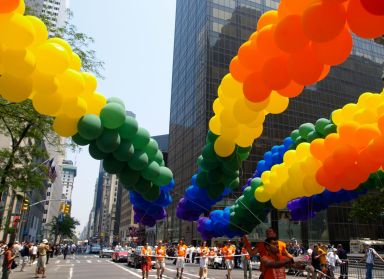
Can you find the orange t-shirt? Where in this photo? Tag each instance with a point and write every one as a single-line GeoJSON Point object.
{"type": "Point", "coordinates": [245, 253]}
{"type": "Point", "coordinates": [160, 253]}
{"type": "Point", "coordinates": [146, 253]}
{"type": "Point", "coordinates": [228, 252]}
{"type": "Point", "coordinates": [204, 251]}
{"type": "Point", "coordinates": [181, 250]}
{"type": "Point", "coordinates": [262, 251]}
{"type": "Point", "coordinates": [273, 273]}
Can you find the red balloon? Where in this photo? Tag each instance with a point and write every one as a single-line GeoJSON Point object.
{"type": "Point", "coordinates": [375, 7]}
{"type": "Point", "coordinates": [7, 6]}
{"type": "Point", "coordinates": [289, 34]}
{"type": "Point", "coordinates": [304, 67]}
{"type": "Point", "coordinates": [317, 28]}
{"type": "Point", "coordinates": [336, 51]}
{"type": "Point", "coordinates": [363, 23]}
{"type": "Point", "coordinates": [325, 72]}
{"type": "Point", "coordinates": [275, 72]}
{"type": "Point", "coordinates": [255, 89]}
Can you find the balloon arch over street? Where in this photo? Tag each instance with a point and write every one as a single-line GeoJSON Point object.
{"type": "Point", "coordinates": [330, 161]}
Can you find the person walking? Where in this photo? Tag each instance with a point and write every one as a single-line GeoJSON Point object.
{"type": "Point", "coordinates": [344, 261]}
{"type": "Point", "coordinates": [369, 258]}
{"type": "Point", "coordinates": [33, 253]}
{"type": "Point", "coordinates": [246, 262]}
{"type": "Point", "coordinates": [229, 251]}
{"type": "Point", "coordinates": [160, 259]}
{"type": "Point", "coordinates": [25, 254]}
{"type": "Point", "coordinates": [203, 264]}
{"type": "Point", "coordinates": [332, 259]}
{"type": "Point", "coordinates": [146, 264]}
{"type": "Point", "coordinates": [9, 257]}
{"type": "Point", "coordinates": [180, 263]}
{"type": "Point", "coordinates": [49, 252]}
{"type": "Point", "coordinates": [65, 250]}
{"type": "Point", "coordinates": [42, 260]}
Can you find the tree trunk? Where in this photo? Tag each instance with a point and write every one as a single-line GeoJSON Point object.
{"type": "Point", "coordinates": [9, 214]}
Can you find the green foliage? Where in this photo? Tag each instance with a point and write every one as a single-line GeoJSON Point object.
{"type": "Point", "coordinates": [368, 208]}
{"type": "Point", "coordinates": [64, 228]}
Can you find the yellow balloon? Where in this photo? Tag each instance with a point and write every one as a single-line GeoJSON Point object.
{"type": "Point", "coordinates": [337, 117]}
{"type": "Point", "coordinates": [217, 106]}
{"type": "Point", "coordinates": [242, 113]}
{"type": "Point", "coordinates": [90, 82]}
{"type": "Point", "coordinates": [258, 120]}
{"type": "Point", "coordinates": [277, 103]}
{"type": "Point", "coordinates": [265, 177]}
{"type": "Point", "coordinates": [19, 62]}
{"type": "Point", "coordinates": [21, 8]}
{"type": "Point", "coordinates": [227, 119]}
{"type": "Point", "coordinates": [48, 104]}
{"type": "Point", "coordinates": [230, 87]}
{"type": "Point", "coordinates": [65, 126]}
{"type": "Point", "coordinates": [74, 107]}
{"type": "Point", "coordinates": [261, 195]}
{"type": "Point", "coordinates": [289, 157]}
{"type": "Point", "coordinates": [224, 147]}
{"type": "Point", "coordinates": [95, 102]}
{"type": "Point", "coordinates": [15, 89]}
{"type": "Point", "coordinates": [244, 140]}
{"type": "Point", "coordinates": [71, 83]}
{"type": "Point", "coordinates": [365, 116]}
{"type": "Point", "coordinates": [45, 84]}
{"type": "Point", "coordinates": [303, 150]}
{"type": "Point", "coordinates": [257, 106]}
{"type": "Point", "coordinates": [229, 132]}
{"type": "Point", "coordinates": [17, 32]}
{"type": "Point", "coordinates": [52, 59]}
{"type": "Point", "coordinates": [225, 100]}
{"type": "Point", "coordinates": [62, 43]}
{"type": "Point", "coordinates": [75, 62]}
{"type": "Point", "coordinates": [278, 201]}
{"type": "Point", "coordinates": [215, 125]}
{"type": "Point", "coordinates": [40, 30]}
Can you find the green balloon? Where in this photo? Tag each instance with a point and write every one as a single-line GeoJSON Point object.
{"type": "Point", "coordinates": [214, 191]}
{"type": "Point", "coordinates": [124, 152]}
{"type": "Point", "coordinates": [329, 129]}
{"type": "Point", "coordinates": [109, 141]}
{"type": "Point", "coordinates": [215, 176]}
{"type": "Point", "coordinates": [295, 134]}
{"type": "Point", "coordinates": [243, 156]}
{"type": "Point", "coordinates": [79, 140]}
{"type": "Point", "coordinates": [152, 171]}
{"type": "Point", "coordinates": [159, 157]}
{"type": "Point", "coordinates": [128, 176]}
{"type": "Point", "coordinates": [255, 183]}
{"type": "Point", "coordinates": [141, 138]}
{"type": "Point", "coordinates": [164, 177]}
{"type": "Point", "coordinates": [139, 160]}
{"type": "Point", "coordinates": [244, 150]}
{"type": "Point", "coordinates": [231, 165]}
{"type": "Point", "coordinates": [247, 192]}
{"type": "Point", "coordinates": [153, 193]}
{"type": "Point", "coordinates": [202, 179]}
{"type": "Point", "coordinates": [305, 129]}
{"type": "Point", "coordinates": [89, 127]}
{"type": "Point", "coordinates": [312, 136]}
{"type": "Point", "coordinates": [209, 153]}
{"type": "Point", "coordinates": [320, 125]}
{"type": "Point", "coordinates": [151, 148]}
{"type": "Point", "coordinates": [232, 174]}
{"type": "Point", "coordinates": [116, 101]}
{"type": "Point", "coordinates": [112, 116]}
{"type": "Point", "coordinates": [234, 184]}
{"type": "Point", "coordinates": [207, 166]}
{"type": "Point", "coordinates": [95, 152]}
{"type": "Point", "coordinates": [129, 128]}
{"type": "Point", "coordinates": [142, 186]}
{"type": "Point", "coordinates": [211, 137]}
{"type": "Point", "coordinates": [111, 165]}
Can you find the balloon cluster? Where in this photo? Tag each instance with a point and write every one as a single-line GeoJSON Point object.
{"type": "Point", "coordinates": [44, 70]}
{"type": "Point", "coordinates": [307, 207]}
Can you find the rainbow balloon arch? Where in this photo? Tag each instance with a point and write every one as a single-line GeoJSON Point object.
{"type": "Point", "coordinates": [333, 160]}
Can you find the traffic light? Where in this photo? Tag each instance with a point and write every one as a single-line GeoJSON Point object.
{"type": "Point", "coordinates": [62, 207]}
{"type": "Point", "coordinates": [67, 208]}
{"type": "Point", "coordinates": [25, 204]}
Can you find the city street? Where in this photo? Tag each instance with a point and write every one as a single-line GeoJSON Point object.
{"type": "Point", "coordinates": [91, 266]}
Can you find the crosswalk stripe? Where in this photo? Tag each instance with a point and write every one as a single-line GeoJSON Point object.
{"type": "Point", "coordinates": [89, 261]}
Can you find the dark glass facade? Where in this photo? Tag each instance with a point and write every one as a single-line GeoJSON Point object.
{"type": "Point", "coordinates": [208, 34]}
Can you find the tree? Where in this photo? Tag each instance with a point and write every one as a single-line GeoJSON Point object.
{"type": "Point", "coordinates": [63, 228]}
{"type": "Point", "coordinates": [368, 208]}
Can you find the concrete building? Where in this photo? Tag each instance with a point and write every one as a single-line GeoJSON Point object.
{"type": "Point", "coordinates": [69, 172]}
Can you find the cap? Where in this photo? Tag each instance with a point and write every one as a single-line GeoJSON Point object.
{"type": "Point", "coordinates": [45, 241]}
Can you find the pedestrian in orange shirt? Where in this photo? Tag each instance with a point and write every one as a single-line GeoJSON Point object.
{"type": "Point", "coordinates": [180, 263]}
{"type": "Point", "coordinates": [160, 259]}
{"type": "Point", "coordinates": [146, 264]}
{"type": "Point", "coordinates": [228, 251]}
{"type": "Point", "coordinates": [204, 253]}
{"type": "Point", "coordinates": [246, 262]}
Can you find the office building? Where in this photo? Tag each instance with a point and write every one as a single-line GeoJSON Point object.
{"type": "Point", "coordinates": [69, 172]}
{"type": "Point", "coordinates": [208, 35]}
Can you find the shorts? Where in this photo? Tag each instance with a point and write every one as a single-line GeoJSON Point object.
{"type": "Point", "coordinates": [160, 264]}
{"type": "Point", "coordinates": [146, 266]}
{"type": "Point", "coordinates": [180, 263]}
{"type": "Point", "coordinates": [203, 262]}
{"type": "Point", "coordinates": [229, 264]}
{"type": "Point", "coordinates": [41, 261]}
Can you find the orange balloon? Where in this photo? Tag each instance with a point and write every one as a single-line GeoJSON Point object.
{"type": "Point", "coordinates": [291, 90]}
{"type": "Point", "coordinates": [380, 123]}
{"type": "Point", "coordinates": [238, 71]}
{"type": "Point", "coordinates": [336, 51]}
{"type": "Point", "coordinates": [266, 42]}
{"type": "Point", "coordinates": [289, 34]}
{"type": "Point", "coordinates": [269, 17]}
{"type": "Point", "coordinates": [347, 132]}
{"type": "Point", "coordinates": [320, 30]}
{"type": "Point", "coordinates": [363, 23]}
{"type": "Point", "coordinates": [8, 6]}
{"type": "Point", "coordinates": [376, 149]}
{"type": "Point", "coordinates": [331, 141]}
{"type": "Point", "coordinates": [251, 57]}
{"type": "Point", "coordinates": [345, 155]}
{"type": "Point", "coordinates": [318, 149]}
{"type": "Point", "coordinates": [325, 72]}
{"type": "Point", "coordinates": [291, 7]}
{"type": "Point", "coordinates": [364, 135]}
{"type": "Point", "coordinates": [255, 89]}
{"type": "Point", "coordinates": [275, 72]}
{"type": "Point", "coordinates": [366, 164]}
{"type": "Point", "coordinates": [304, 67]}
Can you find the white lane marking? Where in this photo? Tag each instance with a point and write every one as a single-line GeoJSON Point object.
{"type": "Point", "coordinates": [126, 270]}
{"type": "Point", "coordinates": [70, 273]}
{"type": "Point", "coordinates": [89, 261]}
{"type": "Point", "coordinates": [193, 275]}
{"type": "Point", "coordinates": [57, 262]}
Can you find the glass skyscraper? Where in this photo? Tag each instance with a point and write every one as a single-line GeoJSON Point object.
{"type": "Point", "coordinates": [208, 35]}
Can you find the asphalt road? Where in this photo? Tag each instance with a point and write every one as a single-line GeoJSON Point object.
{"type": "Point", "coordinates": [91, 266]}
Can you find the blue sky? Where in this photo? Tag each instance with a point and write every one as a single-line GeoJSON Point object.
{"type": "Point", "coordinates": [135, 40]}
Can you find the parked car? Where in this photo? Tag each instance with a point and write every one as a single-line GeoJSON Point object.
{"type": "Point", "coordinates": [95, 249]}
{"type": "Point", "coordinates": [120, 256]}
{"type": "Point", "coordinates": [134, 259]}
{"type": "Point", "coordinates": [106, 252]}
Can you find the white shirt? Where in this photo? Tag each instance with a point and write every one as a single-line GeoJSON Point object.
{"type": "Point", "coordinates": [370, 256]}
{"type": "Point", "coordinates": [34, 250]}
{"type": "Point", "coordinates": [333, 258]}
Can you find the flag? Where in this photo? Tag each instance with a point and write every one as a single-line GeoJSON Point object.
{"type": "Point", "coordinates": [48, 163]}
{"type": "Point", "coordinates": [52, 173]}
